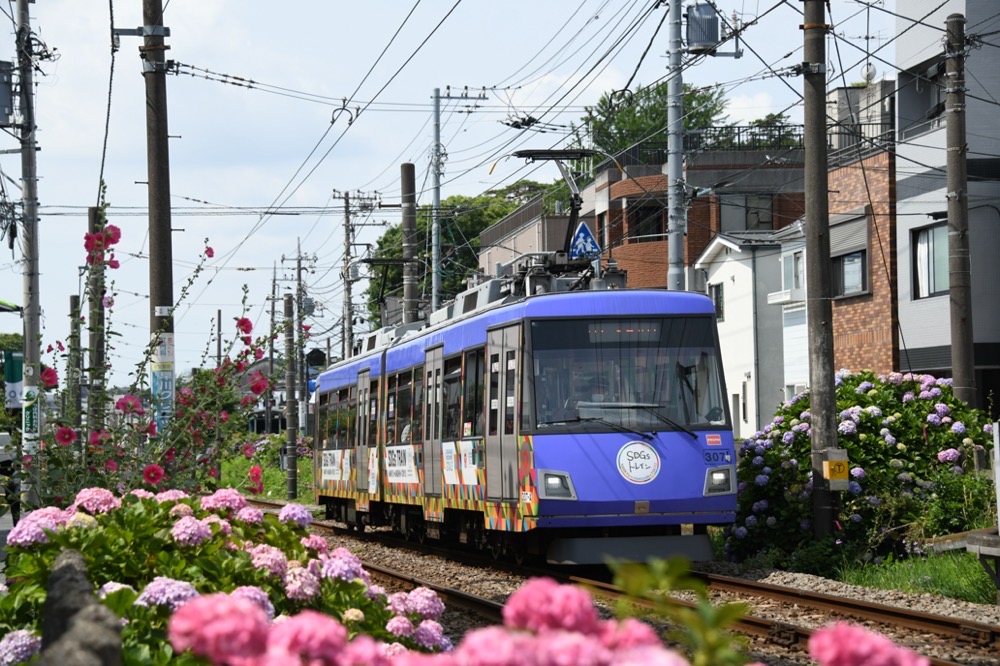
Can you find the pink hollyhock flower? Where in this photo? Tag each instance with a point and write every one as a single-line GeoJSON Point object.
{"type": "Point", "coordinates": [168, 455]}
{"type": "Point", "coordinates": [129, 404]}
{"type": "Point", "coordinates": [59, 345]}
{"type": "Point", "coordinates": [108, 301]}
{"type": "Point", "coordinates": [255, 473]}
{"type": "Point", "coordinates": [209, 252]}
{"type": "Point", "coordinates": [110, 466]}
{"type": "Point", "coordinates": [152, 474]}
{"type": "Point", "coordinates": [49, 377]}
{"type": "Point", "coordinates": [151, 429]}
{"type": "Point", "coordinates": [93, 242]}
{"type": "Point", "coordinates": [213, 472]}
{"type": "Point", "coordinates": [112, 234]}
{"type": "Point", "coordinates": [258, 353]}
{"type": "Point", "coordinates": [48, 350]}
{"type": "Point", "coordinates": [315, 637]}
{"type": "Point", "coordinates": [543, 604]}
{"type": "Point", "coordinates": [248, 450]}
{"type": "Point", "coordinates": [247, 340]}
{"type": "Point", "coordinates": [219, 627]}
{"type": "Point", "coordinates": [113, 263]}
{"type": "Point", "coordinates": [244, 325]}
{"type": "Point", "coordinates": [99, 437]}
{"type": "Point", "coordinates": [258, 383]}
{"type": "Point", "coordinates": [843, 644]}
{"type": "Point", "coordinates": [65, 436]}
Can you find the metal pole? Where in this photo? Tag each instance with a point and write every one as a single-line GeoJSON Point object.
{"type": "Point", "coordinates": [348, 324]}
{"type": "Point", "coordinates": [408, 182]}
{"type": "Point", "coordinates": [676, 215]}
{"type": "Point", "coordinates": [291, 406]}
{"type": "Point", "coordinates": [963, 363]}
{"type": "Point", "coordinates": [73, 364]}
{"type": "Point", "coordinates": [31, 410]}
{"type": "Point", "coordinates": [436, 207]}
{"type": "Point", "coordinates": [218, 338]}
{"type": "Point", "coordinates": [161, 280]}
{"type": "Point", "coordinates": [819, 312]}
{"type": "Point", "coordinates": [301, 348]}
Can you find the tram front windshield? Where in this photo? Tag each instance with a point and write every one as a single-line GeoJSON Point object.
{"type": "Point", "coordinates": [643, 375]}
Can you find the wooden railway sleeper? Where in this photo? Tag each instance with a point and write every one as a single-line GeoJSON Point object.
{"type": "Point", "coordinates": [785, 635]}
{"type": "Point", "coordinates": [978, 636]}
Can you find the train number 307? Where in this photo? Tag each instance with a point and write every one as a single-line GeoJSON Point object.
{"type": "Point", "coordinates": [712, 457]}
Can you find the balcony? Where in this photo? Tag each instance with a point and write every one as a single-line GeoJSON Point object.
{"type": "Point", "coordinates": [787, 297]}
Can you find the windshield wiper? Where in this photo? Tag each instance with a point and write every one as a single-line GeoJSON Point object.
{"type": "Point", "coordinates": [597, 419]}
{"type": "Point", "coordinates": [666, 419]}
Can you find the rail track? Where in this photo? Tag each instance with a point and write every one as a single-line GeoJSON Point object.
{"type": "Point", "coordinates": [965, 642]}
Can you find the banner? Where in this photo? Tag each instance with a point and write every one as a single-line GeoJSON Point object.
{"type": "Point", "coordinates": [13, 377]}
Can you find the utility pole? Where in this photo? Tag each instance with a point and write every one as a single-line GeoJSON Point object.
{"type": "Point", "coordinates": [291, 407]}
{"type": "Point", "coordinates": [218, 338]}
{"type": "Point", "coordinates": [676, 214]}
{"type": "Point", "coordinates": [270, 350]}
{"type": "Point", "coordinates": [438, 157]}
{"type": "Point", "coordinates": [347, 339]}
{"type": "Point", "coordinates": [818, 271]}
{"type": "Point", "coordinates": [161, 280]}
{"type": "Point", "coordinates": [963, 362]}
{"type": "Point", "coordinates": [73, 362]}
{"type": "Point", "coordinates": [95, 325]}
{"type": "Point", "coordinates": [408, 183]}
{"type": "Point", "coordinates": [300, 297]}
{"type": "Point", "coordinates": [31, 411]}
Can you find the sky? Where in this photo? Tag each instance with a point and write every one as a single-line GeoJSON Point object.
{"type": "Point", "coordinates": [263, 147]}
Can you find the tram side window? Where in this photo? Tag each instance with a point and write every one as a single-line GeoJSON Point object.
{"type": "Point", "coordinates": [417, 431]}
{"type": "Point", "coordinates": [373, 420]}
{"type": "Point", "coordinates": [475, 379]}
{"type": "Point", "coordinates": [390, 410]}
{"type": "Point", "coordinates": [510, 399]}
{"type": "Point", "coordinates": [323, 421]}
{"type": "Point", "coordinates": [352, 415]}
{"type": "Point", "coordinates": [494, 412]}
{"type": "Point", "coordinates": [452, 398]}
{"type": "Point", "coordinates": [403, 396]}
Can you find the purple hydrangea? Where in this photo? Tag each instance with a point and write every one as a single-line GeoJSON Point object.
{"type": "Point", "coordinates": [925, 395]}
{"type": "Point", "coordinates": [894, 378]}
{"type": "Point", "coordinates": [750, 521]}
{"type": "Point", "coordinates": [760, 505]}
{"type": "Point", "coordinates": [398, 603]}
{"type": "Point", "coordinates": [855, 518]}
{"type": "Point", "coordinates": [858, 472]}
{"type": "Point", "coordinates": [163, 591]}
{"type": "Point", "coordinates": [873, 501]}
{"type": "Point", "coordinates": [805, 416]}
{"type": "Point", "coordinates": [341, 563]}
{"type": "Point", "coordinates": [771, 521]}
{"type": "Point", "coordinates": [890, 440]}
{"type": "Point", "coordinates": [935, 392]}
{"type": "Point", "coordinates": [761, 480]}
{"type": "Point", "coordinates": [264, 556]}
{"type": "Point", "coordinates": [30, 530]}
{"type": "Point", "coordinates": [948, 455]}
{"type": "Point", "coordinates": [988, 428]}
{"type": "Point", "coordinates": [758, 461]}
{"type": "Point", "coordinates": [111, 587]}
{"type": "Point", "coordinates": [854, 488]}
{"type": "Point", "coordinates": [864, 387]}
{"type": "Point", "coordinates": [295, 513]}
{"type": "Point", "coordinates": [429, 634]}
{"type": "Point", "coordinates": [847, 428]}
{"type": "Point", "coordinates": [189, 531]}
{"type": "Point", "coordinates": [934, 419]}
{"type": "Point", "coordinates": [19, 646]}
{"type": "Point", "coordinates": [958, 428]}
{"type": "Point", "coordinates": [257, 596]}
{"type": "Point", "coordinates": [788, 437]}
{"type": "Point", "coordinates": [740, 532]}
{"type": "Point", "coordinates": [908, 396]}
{"type": "Point", "coordinates": [250, 515]}
{"type": "Point", "coordinates": [942, 409]}
{"type": "Point", "coordinates": [872, 410]}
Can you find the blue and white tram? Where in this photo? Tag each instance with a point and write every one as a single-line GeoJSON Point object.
{"type": "Point", "coordinates": [575, 425]}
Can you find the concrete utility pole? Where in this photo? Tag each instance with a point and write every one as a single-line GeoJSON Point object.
{"type": "Point", "coordinates": [963, 363]}
{"type": "Point", "coordinates": [161, 280]}
{"type": "Point", "coordinates": [31, 412]}
{"type": "Point", "coordinates": [300, 325]}
{"type": "Point", "coordinates": [676, 214]}
{"type": "Point", "coordinates": [95, 329]}
{"type": "Point", "coordinates": [269, 399]}
{"type": "Point", "coordinates": [73, 370]}
{"type": "Point", "coordinates": [408, 183]}
{"type": "Point", "coordinates": [291, 407]}
{"type": "Point", "coordinates": [819, 312]}
{"type": "Point", "coordinates": [347, 327]}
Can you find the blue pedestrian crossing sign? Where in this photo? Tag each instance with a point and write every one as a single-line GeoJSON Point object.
{"type": "Point", "coordinates": [584, 245]}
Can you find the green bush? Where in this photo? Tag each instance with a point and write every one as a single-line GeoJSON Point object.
{"type": "Point", "coordinates": [911, 446]}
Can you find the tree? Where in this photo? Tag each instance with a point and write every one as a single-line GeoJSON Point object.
{"type": "Point", "coordinates": [462, 219]}
{"type": "Point", "coordinates": [620, 121]}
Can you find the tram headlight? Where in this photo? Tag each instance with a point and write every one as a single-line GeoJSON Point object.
{"type": "Point", "coordinates": [555, 485]}
{"type": "Point", "coordinates": [719, 481]}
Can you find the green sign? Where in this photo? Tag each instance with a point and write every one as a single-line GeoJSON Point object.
{"type": "Point", "coordinates": [31, 422]}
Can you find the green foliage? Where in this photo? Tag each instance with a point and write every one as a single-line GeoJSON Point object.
{"type": "Point", "coordinates": [702, 630]}
{"type": "Point", "coordinates": [619, 122]}
{"type": "Point", "coordinates": [11, 342]}
{"type": "Point", "coordinates": [911, 447]}
{"type": "Point", "coordinates": [264, 453]}
{"type": "Point", "coordinates": [957, 575]}
{"type": "Point", "coordinates": [462, 219]}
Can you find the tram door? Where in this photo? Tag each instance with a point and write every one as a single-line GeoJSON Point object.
{"type": "Point", "coordinates": [502, 351]}
{"type": "Point", "coordinates": [433, 410]}
{"type": "Point", "coordinates": [364, 422]}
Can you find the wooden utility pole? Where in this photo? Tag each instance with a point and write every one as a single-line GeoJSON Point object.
{"type": "Point", "coordinates": [819, 312]}
{"type": "Point", "coordinates": [291, 406]}
{"type": "Point", "coordinates": [963, 363]}
{"type": "Point", "coordinates": [161, 279]}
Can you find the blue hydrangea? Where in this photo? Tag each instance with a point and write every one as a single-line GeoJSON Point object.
{"type": "Point", "coordinates": [958, 428]}
{"type": "Point", "coordinates": [740, 532]}
{"type": "Point", "coordinates": [908, 396]}
{"type": "Point", "coordinates": [934, 419]}
{"type": "Point", "coordinates": [762, 480]}
{"type": "Point", "coordinates": [758, 461]}
{"type": "Point", "coordinates": [766, 470]}
{"type": "Point", "coordinates": [873, 501]}
{"type": "Point", "coordinates": [771, 521]}
{"type": "Point", "coordinates": [890, 440]}
{"type": "Point", "coordinates": [788, 437]}
{"type": "Point", "coordinates": [855, 518]}
{"type": "Point", "coordinates": [750, 521]}
{"type": "Point", "coordinates": [864, 387]}
{"type": "Point", "coordinates": [19, 646]}
{"type": "Point", "coordinates": [854, 488]}
{"type": "Point", "coordinates": [872, 410]}
{"type": "Point", "coordinates": [847, 428]}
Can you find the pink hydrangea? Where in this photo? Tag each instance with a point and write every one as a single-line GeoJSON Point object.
{"type": "Point", "coordinates": [425, 602]}
{"type": "Point", "coordinates": [315, 542]}
{"type": "Point", "coordinates": [495, 646]}
{"type": "Point", "coordinates": [170, 496]}
{"type": "Point", "coordinates": [948, 455]}
{"type": "Point", "coordinates": [542, 604]}
{"type": "Point", "coordinates": [365, 650]}
{"type": "Point", "coordinates": [301, 584]}
{"type": "Point", "coordinates": [228, 499]}
{"type": "Point", "coordinates": [181, 510]}
{"type": "Point", "coordinates": [844, 644]}
{"type": "Point", "coordinates": [224, 526]}
{"type": "Point", "coordinates": [219, 627]}
{"type": "Point", "coordinates": [430, 634]}
{"type": "Point", "coordinates": [142, 493]}
{"type": "Point", "coordinates": [250, 515]}
{"type": "Point", "coordinates": [189, 531]}
{"type": "Point", "coordinates": [30, 530]}
{"type": "Point", "coordinates": [399, 625]}
{"type": "Point", "coordinates": [97, 500]}
{"type": "Point", "coordinates": [647, 655]}
{"type": "Point", "coordinates": [628, 633]}
{"type": "Point", "coordinates": [270, 558]}
{"type": "Point", "coordinates": [256, 595]}
{"type": "Point", "coordinates": [314, 637]}
{"type": "Point", "coordinates": [570, 647]}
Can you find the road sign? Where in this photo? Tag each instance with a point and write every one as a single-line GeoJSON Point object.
{"type": "Point", "coordinates": [584, 245]}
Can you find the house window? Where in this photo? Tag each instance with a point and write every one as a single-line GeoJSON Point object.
{"type": "Point", "coordinates": [850, 273]}
{"type": "Point", "coordinates": [930, 261]}
{"type": "Point", "coordinates": [791, 271]}
{"type": "Point", "coordinates": [646, 224]}
{"type": "Point", "coordinates": [715, 293]}
{"type": "Point", "coordinates": [746, 212]}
